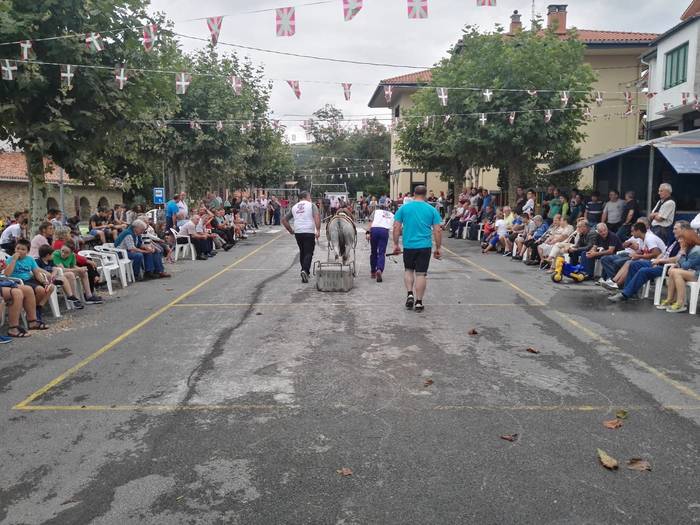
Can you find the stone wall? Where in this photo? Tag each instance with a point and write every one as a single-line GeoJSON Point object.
{"type": "Point", "coordinates": [14, 196]}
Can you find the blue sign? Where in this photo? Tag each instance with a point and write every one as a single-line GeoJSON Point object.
{"type": "Point", "coordinates": [158, 195]}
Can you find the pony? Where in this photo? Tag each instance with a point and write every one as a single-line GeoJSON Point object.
{"type": "Point", "coordinates": [342, 236]}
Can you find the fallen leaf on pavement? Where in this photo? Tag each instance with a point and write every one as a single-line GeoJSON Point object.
{"type": "Point", "coordinates": [179, 498]}
{"type": "Point", "coordinates": [510, 437]}
{"type": "Point", "coordinates": [473, 332]}
{"type": "Point", "coordinates": [533, 350]}
{"type": "Point", "coordinates": [345, 471]}
{"type": "Point", "coordinates": [607, 461]}
{"type": "Point", "coordinates": [612, 424]}
{"type": "Point", "coordinates": [428, 382]}
{"type": "Point", "coordinates": [169, 289]}
{"type": "Point", "coordinates": [258, 313]}
{"type": "Point", "coordinates": [638, 464]}
{"type": "Point", "coordinates": [621, 414]}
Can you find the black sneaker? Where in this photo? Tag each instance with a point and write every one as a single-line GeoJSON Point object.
{"type": "Point", "coordinates": [379, 276]}
{"type": "Point", "coordinates": [95, 299]}
{"type": "Point", "coordinates": [304, 277]}
{"type": "Point", "coordinates": [75, 303]}
{"type": "Point", "coordinates": [410, 301]}
{"type": "Point", "coordinates": [419, 306]}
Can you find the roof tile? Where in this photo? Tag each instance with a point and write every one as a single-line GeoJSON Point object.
{"type": "Point", "coordinates": [13, 167]}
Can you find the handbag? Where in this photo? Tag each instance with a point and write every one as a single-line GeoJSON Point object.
{"type": "Point", "coordinates": [7, 283]}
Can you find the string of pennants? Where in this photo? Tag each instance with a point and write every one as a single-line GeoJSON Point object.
{"type": "Point", "coordinates": [285, 23]}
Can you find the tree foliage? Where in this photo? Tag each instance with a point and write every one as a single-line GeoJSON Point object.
{"type": "Point", "coordinates": [525, 61]}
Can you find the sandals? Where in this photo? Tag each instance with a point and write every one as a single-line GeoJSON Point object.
{"type": "Point", "coordinates": [21, 332]}
{"type": "Point", "coordinates": [38, 325]}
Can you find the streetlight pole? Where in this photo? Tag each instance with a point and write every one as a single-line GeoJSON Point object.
{"type": "Point", "coordinates": [60, 193]}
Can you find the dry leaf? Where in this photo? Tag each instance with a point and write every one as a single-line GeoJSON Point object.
{"type": "Point", "coordinates": [621, 414]}
{"type": "Point", "coordinates": [607, 461]}
{"type": "Point", "coordinates": [428, 382]}
{"type": "Point", "coordinates": [473, 332]}
{"type": "Point", "coordinates": [258, 313]}
{"type": "Point", "coordinates": [638, 464]}
{"type": "Point", "coordinates": [612, 424]}
{"type": "Point", "coordinates": [533, 350]}
{"type": "Point", "coordinates": [510, 437]}
{"type": "Point", "coordinates": [345, 471]}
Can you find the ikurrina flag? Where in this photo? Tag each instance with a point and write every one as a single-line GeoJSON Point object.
{"type": "Point", "coordinates": [182, 82]}
{"type": "Point", "coordinates": [121, 77]}
{"type": "Point", "coordinates": [388, 92]}
{"type": "Point", "coordinates": [346, 90]}
{"type": "Point", "coordinates": [486, 3]}
{"type": "Point", "coordinates": [149, 36]}
{"type": "Point", "coordinates": [25, 49]}
{"type": "Point", "coordinates": [67, 74]}
{"type": "Point", "coordinates": [547, 116]}
{"type": "Point", "coordinates": [219, 126]}
{"type": "Point", "coordinates": [8, 68]}
{"type": "Point", "coordinates": [214, 25]}
{"type": "Point", "coordinates": [294, 84]}
{"type": "Point", "coordinates": [286, 21]}
{"type": "Point", "coordinates": [351, 8]}
{"type": "Point", "coordinates": [93, 41]}
{"type": "Point", "coordinates": [417, 8]}
{"type": "Point", "coordinates": [442, 95]}
{"type": "Point", "coordinates": [236, 84]}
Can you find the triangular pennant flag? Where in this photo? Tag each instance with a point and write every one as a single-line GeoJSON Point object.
{"type": "Point", "coordinates": [121, 76]}
{"type": "Point", "coordinates": [182, 82]}
{"type": "Point", "coordinates": [214, 25]}
{"type": "Point", "coordinates": [447, 118]}
{"type": "Point", "coordinates": [483, 119]}
{"type": "Point", "coordinates": [236, 84]}
{"type": "Point", "coordinates": [388, 92]}
{"type": "Point", "coordinates": [511, 118]}
{"type": "Point", "coordinates": [417, 8]}
{"type": "Point", "coordinates": [667, 106]}
{"type": "Point", "coordinates": [488, 95]}
{"type": "Point", "coordinates": [599, 98]}
{"type": "Point", "coordinates": [628, 97]}
{"type": "Point", "coordinates": [651, 94]}
{"type": "Point", "coordinates": [532, 92]}
{"type": "Point", "coordinates": [25, 49]}
{"type": "Point", "coordinates": [93, 41]}
{"type": "Point", "coordinates": [426, 122]}
{"type": "Point", "coordinates": [195, 125]}
{"type": "Point", "coordinates": [8, 68]}
{"type": "Point", "coordinates": [442, 95]}
{"type": "Point", "coordinates": [587, 114]}
{"type": "Point", "coordinates": [346, 90]}
{"type": "Point", "coordinates": [351, 8]}
{"type": "Point", "coordinates": [286, 21]}
{"type": "Point", "coordinates": [564, 98]}
{"type": "Point", "coordinates": [547, 116]}
{"type": "Point", "coordinates": [696, 103]}
{"type": "Point", "coordinates": [684, 98]}
{"type": "Point", "coordinates": [219, 126]}
{"type": "Point", "coordinates": [294, 84]}
{"type": "Point", "coordinates": [149, 36]}
{"type": "Point", "coordinates": [486, 3]}
{"type": "Point", "coordinates": [67, 74]}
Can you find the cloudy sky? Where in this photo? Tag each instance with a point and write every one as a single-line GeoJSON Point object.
{"type": "Point", "coordinates": [381, 32]}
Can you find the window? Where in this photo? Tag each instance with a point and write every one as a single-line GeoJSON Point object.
{"type": "Point", "coordinates": [397, 111]}
{"type": "Point", "coordinates": [676, 66]}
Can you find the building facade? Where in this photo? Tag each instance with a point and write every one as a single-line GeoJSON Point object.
{"type": "Point", "coordinates": [615, 57]}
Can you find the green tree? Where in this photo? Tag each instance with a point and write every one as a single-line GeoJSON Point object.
{"type": "Point", "coordinates": [526, 61]}
{"type": "Point", "coordinates": [78, 128]}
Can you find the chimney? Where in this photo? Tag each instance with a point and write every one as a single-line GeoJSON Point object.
{"type": "Point", "coordinates": [516, 24]}
{"type": "Point", "coordinates": [556, 18]}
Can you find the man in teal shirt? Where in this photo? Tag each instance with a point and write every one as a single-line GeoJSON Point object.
{"type": "Point", "coordinates": [419, 222]}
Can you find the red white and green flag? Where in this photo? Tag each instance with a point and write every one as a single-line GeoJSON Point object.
{"type": "Point", "coordinates": [8, 69]}
{"type": "Point", "coordinates": [214, 25]}
{"type": "Point", "coordinates": [351, 8]}
{"type": "Point", "coordinates": [417, 8]}
{"type": "Point", "coordinates": [121, 76]}
{"type": "Point", "coordinates": [182, 82]}
{"type": "Point", "coordinates": [149, 36]}
{"type": "Point", "coordinates": [93, 41]}
{"type": "Point", "coordinates": [286, 21]}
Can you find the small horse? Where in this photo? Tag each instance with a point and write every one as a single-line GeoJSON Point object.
{"type": "Point", "coordinates": [342, 236]}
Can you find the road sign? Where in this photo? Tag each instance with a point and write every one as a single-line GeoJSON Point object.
{"type": "Point", "coordinates": [158, 195]}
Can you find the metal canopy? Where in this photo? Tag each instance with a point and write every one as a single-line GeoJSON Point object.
{"type": "Point", "coordinates": [684, 160]}
{"type": "Point", "coordinates": [598, 159]}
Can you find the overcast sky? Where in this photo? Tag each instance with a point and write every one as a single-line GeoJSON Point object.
{"type": "Point", "coordinates": [381, 32]}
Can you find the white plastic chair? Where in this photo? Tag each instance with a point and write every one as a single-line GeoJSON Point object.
{"type": "Point", "coordinates": [4, 311]}
{"type": "Point", "coordinates": [107, 263]}
{"type": "Point", "coordinates": [53, 299]}
{"type": "Point", "coordinates": [183, 247]}
{"type": "Point", "coordinates": [659, 284]}
{"type": "Point", "coordinates": [126, 266]}
{"type": "Point", "coordinates": [693, 295]}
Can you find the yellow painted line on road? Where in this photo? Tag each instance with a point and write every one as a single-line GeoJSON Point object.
{"type": "Point", "coordinates": [515, 287]}
{"type": "Point", "coordinates": [563, 408]}
{"type": "Point", "coordinates": [55, 382]}
{"type": "Point", "coordinates": [152, 408]}
{"type": "Point", "coordinates": [588, 332]}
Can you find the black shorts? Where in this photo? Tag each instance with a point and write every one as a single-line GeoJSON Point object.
{"type": "Point", "coordinates": [417, 260]}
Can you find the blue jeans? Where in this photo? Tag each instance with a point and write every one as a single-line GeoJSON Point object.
{"type": "Point", "coordinates": [588, 264]}
{"type": "Point", "coordinates": [640, 273]}
{"type": "Point", "coordinates": [153, 262]}
{"type": "Point", "coordinates": [612, 264]}
{"type": "Point", "coordinates": [137, 262]}
{"type": "Point", "coordinates": [379, 238]}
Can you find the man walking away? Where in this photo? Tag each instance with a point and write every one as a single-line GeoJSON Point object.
{"type": "Point", "coordinates": [419, 222]}
{"type": "Point", "coordinates": [382, 222]}
{"type": "Point", "coordinates": [307, 228]}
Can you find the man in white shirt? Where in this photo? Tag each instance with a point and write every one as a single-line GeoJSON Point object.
{"type": "Point", "coordinates": [307, 228]}
{"type": "Point", "coordinates": [182, 206]}
{"type": "Point", "coordinates": [382, 222]}
{"type": "Point", "coordinates": [10, 236]}
{"type": "Point", "coordinates": [201, 241]}
{"type": "Point", "coordinates": [644, 244]}
{"type": "Point", "coordinates": [664, 213]}
{"type": "Point", "coordinates": [529, 206]}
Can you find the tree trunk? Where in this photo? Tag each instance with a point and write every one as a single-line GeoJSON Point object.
{"type": "Point", "coordinates": [514, 178]}
{"type": "Point", "coordinates": [181, 177]}
{"type": "Point", "coordinates": [37, 188]}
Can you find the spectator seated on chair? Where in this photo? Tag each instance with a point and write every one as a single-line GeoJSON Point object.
{"type": "Point", "coordinates": [16, 298]}
{"type": "Point", "coordinates": [66, 258]}
{"type": "Point", "coordinates": [534, 230]}
{"type": "Point", "coordinates": [63, 236]}
{"type": "Point", "coordinates": [650, 247]}
{"type": "Point", "coordinates": [687, 270]}
{"type": "Point", "coordinates": [99, 227]}
{"type": "Point", "coordinates": [143, 256]}
{"type": "Point", "coordinates": [614, 262]}
{"type": "Point", "coordinates": [456, 216]}
{"type": "Point", "coordinates": [221, 227]}
{"type": "Point", "coordinates": [45, 262]}
{"type": "Point", "coordinates": [202, 242]}
{"type": "Point", "coordinates": [606, 243]}
{"type": "Point", "coordinates": [560, 234]}
{"type": "Point", "coordinates": [21, 266]}
{"type": "Point", "coordinates": [642, 271]}
{"type": "Point", "coordinates": [498, 237]}
{"type": "Point", "coordinates": [583, 241]}
{"type": "Point", "coordinates": [12, 233]}
{"type": "Point", "coordinates": [44, 237]}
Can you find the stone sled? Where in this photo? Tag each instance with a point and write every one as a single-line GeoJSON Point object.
{"type": "Point", "coordinates": [334, 277]}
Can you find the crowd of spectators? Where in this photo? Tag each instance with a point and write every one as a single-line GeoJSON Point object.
{"type": "Point", "coordinates": [64, 256]}
{"type": "Point", "coordinates": [611, 241]}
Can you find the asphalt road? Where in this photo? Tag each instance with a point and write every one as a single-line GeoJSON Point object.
{"type": "Point", "coordinates": [233, 393]}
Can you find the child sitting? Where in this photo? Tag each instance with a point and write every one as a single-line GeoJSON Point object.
{"type": "Point", "coordinates": [45, 262]}
{"type": "Point", "coordinates": [65, 258]}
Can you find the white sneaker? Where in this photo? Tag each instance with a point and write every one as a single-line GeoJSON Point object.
{"type": "Point", "coordinates": [600, 281]}
{"type": "Point", "coordinates": [610, 285]}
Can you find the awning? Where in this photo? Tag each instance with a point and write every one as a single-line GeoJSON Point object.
{"type": "Point", "coordinates": [598, 159]}
{"type": "Point", "coordinates": [683, 160]}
